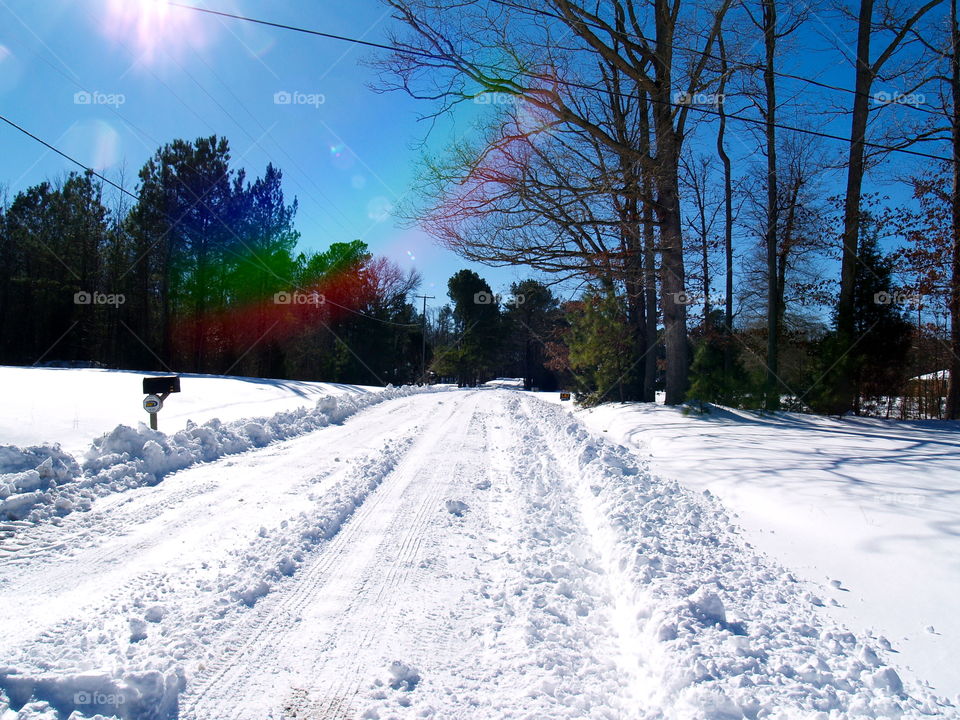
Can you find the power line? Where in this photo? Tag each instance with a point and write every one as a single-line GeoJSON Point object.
{"type": "Point", "coordinates": [569, 83]}
{"type": "Point", "coordinates": [76, 162]}
{"type": "Point", "coordinates": [781, 126]}
{"type": "Point", "coordinates": [305, 31]}
{"type": "Point", "coordinates": [368, 317]}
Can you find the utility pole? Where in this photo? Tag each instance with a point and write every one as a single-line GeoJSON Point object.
{"type": "Point", "coordinates": [423, 346]}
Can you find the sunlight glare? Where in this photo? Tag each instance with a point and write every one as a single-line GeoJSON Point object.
{"type": "Point", "coordinates": [154, 26]}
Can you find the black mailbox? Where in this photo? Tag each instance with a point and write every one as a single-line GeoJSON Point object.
{"type": "Point", "coordinates": [161, 385]}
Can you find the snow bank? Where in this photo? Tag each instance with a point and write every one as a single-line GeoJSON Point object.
{"type": "Point", "coordinates": [75, 406]}
{"type": "Point", "coordinates": [147, 695]}
{"type": "Point", "coordinates": [28, 475]}
{"type": "Point", "coordinates": [720, 631]}
{"type": "Point", "coordinates": [43, 482]}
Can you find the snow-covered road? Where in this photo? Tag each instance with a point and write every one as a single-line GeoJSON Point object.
{"type": "Point", "coordinates": [448, 555]}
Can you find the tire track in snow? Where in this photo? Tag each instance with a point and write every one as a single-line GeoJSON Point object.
{"type": "Point", "coordinates": [277, 615]}
{"type": "Point", "coordinates": [477, 602]}
{"type": "Point", "coordinates": [234, 676]}
{"type": "Point", "coordinates": [360, 573]}
{"type": "Point", "coordinates": [401, 565]}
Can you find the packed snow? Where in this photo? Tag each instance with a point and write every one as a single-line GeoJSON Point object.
{"type": "Point", "coordinates": [417, 553]}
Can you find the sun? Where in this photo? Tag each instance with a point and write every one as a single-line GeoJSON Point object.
{"type": "Point", "coordinates": [154, 27]}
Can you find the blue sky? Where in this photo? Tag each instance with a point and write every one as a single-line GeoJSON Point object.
{"type": "Point", "coordinates": [156, 73]}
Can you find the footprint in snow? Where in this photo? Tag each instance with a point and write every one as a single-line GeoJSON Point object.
{"type": "Point", "coordinates": [403, 676]}
{"type": "Point", "coordinates": [456, 507]}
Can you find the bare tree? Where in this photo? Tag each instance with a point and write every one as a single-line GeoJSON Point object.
{"type": "Point", "coordinates": [942, 42]}
{"type": "Point", "coordinates": [886, 18]}
{"type": "Point", "coordinates": [527, 36]}
{"type": "Point", "coordinates": [727, 198]}
{"type": "Point", "coordinates": [697, 184]}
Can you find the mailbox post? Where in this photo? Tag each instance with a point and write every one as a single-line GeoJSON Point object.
{"type": "Point", "coordinates": [156, 390]}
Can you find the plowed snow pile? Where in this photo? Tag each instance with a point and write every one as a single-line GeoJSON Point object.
{"type": "Point", "coordinates": [870, 508]}
{"type": "Point", "coordinates": [44, 482]}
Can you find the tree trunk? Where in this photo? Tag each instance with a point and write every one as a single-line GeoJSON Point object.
{"type": "Point", "coordinates": [634, 285]}
{"type": "Point", "coordinates": [727, 209]}
{"type": "Point", "coordinates": [772, 394]}
{"type": "Point", "coordinates": [705, 262]}
{"type": "Point", "coordinates": [668, 209]}
{"type": "Point", "coordinates": [953, 388]}
{"type": "Point", "coordinates": [673, 293]}
{"type": "Point", "coordinates": [649, 261]}
{"type": "Point", "coordinates": [851, 208]}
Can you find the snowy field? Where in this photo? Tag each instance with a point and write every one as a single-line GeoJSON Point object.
{"type": "Point", "coordinates": [440, 553]}
{"type": "Point", "coordinates": [870, 509]}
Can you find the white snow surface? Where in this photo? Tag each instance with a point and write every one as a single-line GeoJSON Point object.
{"type": "Point", "coordinates": [450, 555]}
{"type": "Point", "coordinates": [72, 407]}
{"type": "Point", "coordinates": [868, 509]}
{"type": "Point", "coordinates": [41, 481]}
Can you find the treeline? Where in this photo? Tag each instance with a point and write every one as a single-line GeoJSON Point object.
{"type": "Point", "coordinates": [481, 335]}
{"type": "Point", "coordinates": [200, 274]}
{"type": "Point", "coordinates": [675, 158]}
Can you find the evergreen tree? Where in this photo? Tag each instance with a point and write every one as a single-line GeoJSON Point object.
{"type": "Point", "coordinates": [600, 347]}
{"type": "Point", "coordinates": [186, 219]}
{"type": "Point", "coordinates": [874, 363]}
{"type": "Point", "coordinates": [476, 313]}
{"type": "Point", "coordinates": [530, 318]}
{"type": "Point", "coordinates": [717, 373]}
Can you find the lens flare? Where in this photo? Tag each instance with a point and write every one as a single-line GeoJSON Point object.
{"type": "Point", "coordinates": [261, 318]}
{"type": "Point", "coordinates": [10, 69]}
{"type": "Point", "coordinates": [97, 141]}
